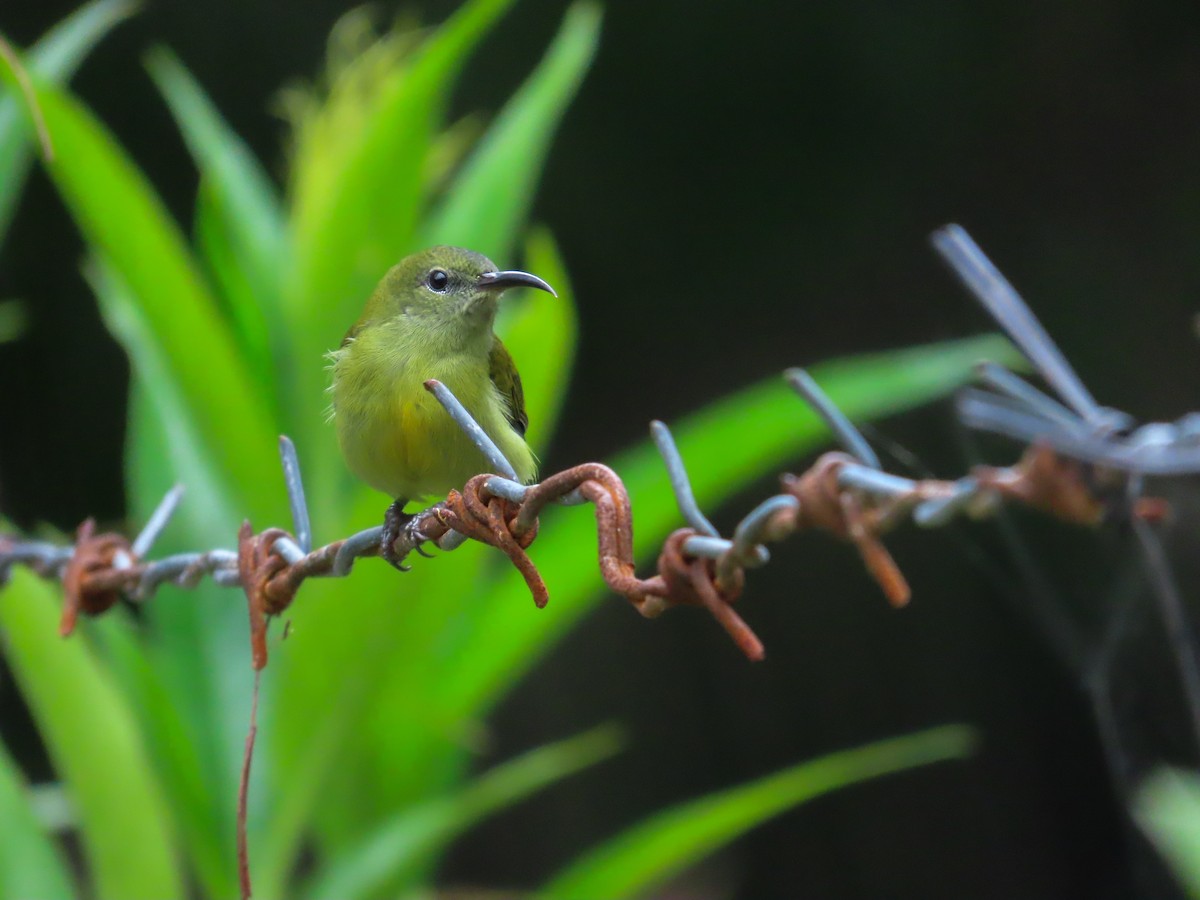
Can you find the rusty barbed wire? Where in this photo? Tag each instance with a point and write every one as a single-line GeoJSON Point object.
{"type": "Point", "coordinates": [840, 493]}
{"type": "Point", "coordinates": [845, 494]}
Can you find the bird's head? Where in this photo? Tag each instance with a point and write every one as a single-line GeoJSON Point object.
{"type": "Point", "coordinates": [445, 288]}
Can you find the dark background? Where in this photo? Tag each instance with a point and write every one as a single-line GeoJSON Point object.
{"type": "Point", "coordinates": [740, 188]}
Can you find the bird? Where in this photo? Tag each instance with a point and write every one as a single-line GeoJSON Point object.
{"type": "Point", "coordinates": [431, 316]}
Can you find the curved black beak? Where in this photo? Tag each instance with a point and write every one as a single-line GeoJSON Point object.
{"type": "Point", "coordinates": [502, 280]}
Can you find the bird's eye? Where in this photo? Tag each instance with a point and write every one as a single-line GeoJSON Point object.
{"type": "Point", "coordinates": [437, 280]}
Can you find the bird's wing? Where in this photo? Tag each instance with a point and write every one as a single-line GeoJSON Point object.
{"type": "Point", "coordinates": [507, 380]}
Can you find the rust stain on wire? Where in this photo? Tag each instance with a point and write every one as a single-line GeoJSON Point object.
{"type": "Point", "coordinates": [511, 526]}
{"type": "Point", "coordinates": [91, 582]}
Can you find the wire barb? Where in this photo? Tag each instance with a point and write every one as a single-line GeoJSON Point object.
{"type": "Point", "coordinates": [681, 485]}
{"type": "Point", "coordinates": [295, 492]}
{"type": "Point", "coordinates": [1018, 389]}
{"type": "Point", "coordinates": [1001, 299]}
{"type": "Point", "coordinates": [843, 429]}
{"type": "Point", "coordinates": [467, 423]}
{"type": "Point", "coordinates": [157, 522]}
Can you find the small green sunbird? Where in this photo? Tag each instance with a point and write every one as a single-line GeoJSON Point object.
{"type": "Point", "coordinates": [430, 317]}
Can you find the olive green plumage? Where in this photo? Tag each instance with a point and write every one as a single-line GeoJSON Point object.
{"type": "Point", "coordinates": [430, 317]}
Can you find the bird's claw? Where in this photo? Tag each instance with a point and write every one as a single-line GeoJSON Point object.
{"type": "Point", "coordinates": [395, 522]}
{"type": "Point", "coordinates": [401, 526]}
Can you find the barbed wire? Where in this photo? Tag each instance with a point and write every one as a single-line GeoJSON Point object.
{"type": "Point", "coordinates": [844, 493]}
{"type": "Point", "coordinates": [1081, 461]}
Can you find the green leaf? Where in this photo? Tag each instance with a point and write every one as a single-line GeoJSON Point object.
{"type": "Point", "coordinates": [55, 57]}
{"type": "Point", "coordinates": [540, 333]}
{"type": "Point", "coordinates": [504, 638]}
{"type": "Point", "coordinates": [487, 205]}
{"type": "Point", "coordinates": [234, 284]}
{"type": "Point", "coordinates": [13, 320]}
{"type": "Point", "coordinates": [174, 748]}
{"type": "Point", "coordinates": [402, 722]}
{"type": "Point", "coordinates": [93, 742]}
{"type": "Point", "coordinates": [399, 849]}
{"type": "Point", "coordinates": [177, 453]}
{"type": "Point", "coordinates": [123, 219]}
{"type": "Point", "coordinates": [30, 864]}
{"type": "Point", "coordinates": [448, 151]}
{"type": "Point", "coordinates": [1168, 809]}
{"type": "Point", "coordinates": [244, 207]}
{"type": "Point", "coordinates": [641, 858]}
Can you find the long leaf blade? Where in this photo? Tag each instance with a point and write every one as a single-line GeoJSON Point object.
{"type": "Point", "coordinates": [360, 652]}
{"type": "Point", "coordinates": [54, 57]}
{"type": "Point", "coordinates": [175, 750]}
{"type": "Point", "coordinates": [391, 854]}
{"type": "Point", "coordinates": [13, 320]}
{"type": "Point", "coordinates": [245, 201]}
{"type": "Point", "coordinates": [494, 637]}
{"type": "Point", "coordinates": [89, 729]}
{"type": "Point", "coordinates": [1168, 809]}
{"type": "Point", "coordinates": [489, 200]}
{"type": "Point", "coordinates": [397, 727]}
{"type": "Point", "coordinates": [124, 220]}
{"type": "Point", "coordinates": [644, 856]}
{"type": "Point", "coordinates": [30, 865]}
{"type": "Point", "coordinates": [356, 202]}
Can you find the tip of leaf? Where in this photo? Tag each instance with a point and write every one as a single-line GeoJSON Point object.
{"type": "Point", "coordinates": [585, 13]}
{"type": "Point", "coordinates": [20, 76]}
{"type": "Point", "coordinates": [158, 57]}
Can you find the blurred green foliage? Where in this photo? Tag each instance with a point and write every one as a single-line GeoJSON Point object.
{"type": "Point", "coordinates": [12, 320]}
{"type": "Point", "coordinates": [55, 57]}
{"type": "Point", "coordinates": [1167, 807]}
{"type": "Point", "coordinates": [371, 707]}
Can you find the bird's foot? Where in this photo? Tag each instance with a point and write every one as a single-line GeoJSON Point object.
{"type": "Point", "coordinates": [395, 522]}
{"type": "Point", "coordinates": [400, 527]}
